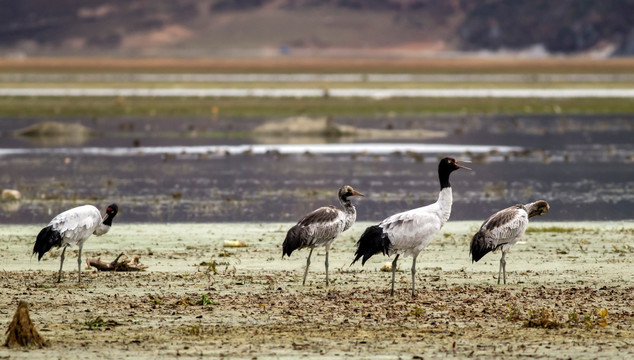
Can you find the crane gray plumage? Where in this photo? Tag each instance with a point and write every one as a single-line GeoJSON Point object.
{"type": "Point", "coordinates": [409, 232]}
{"type": "Point", "coordinates": [321, 227]}
{"type": "Point", "coordinates": [73, 227]}
{"type": "Point", "coordinates": [503, 229]}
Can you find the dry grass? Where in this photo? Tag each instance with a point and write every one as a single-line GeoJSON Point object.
{"type": "Point", "coordinates": [261, 107]}
{"type": "Point", "coordinates": [301, 65]}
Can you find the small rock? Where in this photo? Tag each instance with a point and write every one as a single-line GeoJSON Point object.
{"type": "Point", "coordinates": [10, 195]}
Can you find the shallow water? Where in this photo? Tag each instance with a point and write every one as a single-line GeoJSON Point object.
{"type": "Point", "coordinates": [376, 93]}
{"type": "Point", "coordinates": [204, 169]}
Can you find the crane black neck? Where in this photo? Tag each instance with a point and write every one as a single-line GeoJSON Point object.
{"type": "Point", "coordinates": [347, 205]}
{"type": "Point", "coordinates": [345, 202]}
{"type": "Point", "coordinates": [443, 176]}
{"type": "Point", "coordinates": [108, 221]}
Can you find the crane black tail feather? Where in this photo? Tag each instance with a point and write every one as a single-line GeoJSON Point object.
{"type": "Point", "coordinates": [46, 239]}
{"type": "Point", "coordinates": [479, 246]}
{"type": "Point", "coordinates": [373, 241]}
{"type": "Point", "coordinates": [293, 241]}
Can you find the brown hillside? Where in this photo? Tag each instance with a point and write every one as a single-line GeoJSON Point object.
{"type": "Point", "coordinates": [194, 28]}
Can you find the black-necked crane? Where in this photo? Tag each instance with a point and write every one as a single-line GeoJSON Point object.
{"type": "Point", "coordinates": [73, 227]}
{"type": "Point", "coordinates": [408, 233]}
{"type": "Point", "coordinates": [321, 227]}
{"type": "Point", "coordinates": [503, 229]}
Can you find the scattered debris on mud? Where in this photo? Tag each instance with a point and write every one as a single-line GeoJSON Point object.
{"type": "Point", "coordinates": [197, 300]}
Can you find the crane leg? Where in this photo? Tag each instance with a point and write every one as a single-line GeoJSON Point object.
{"type": "Point", "coordinates": [327, 250]}
{"type": "Point", "coordinates": [393, 273]}
{"type": "Point", "coordinates": [414, 276]}
{"type": "Point", "coordinates": [307, 265]}
{"type": "Point", "coordinates": [79, 265]}
{"type": "Point", "coordinates": [502, 268]}
{"type": "Point", "coordinates": [61, 264]}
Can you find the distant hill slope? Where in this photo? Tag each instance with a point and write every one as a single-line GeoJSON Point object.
{"type": "Point", "coordinates": [327, 27]}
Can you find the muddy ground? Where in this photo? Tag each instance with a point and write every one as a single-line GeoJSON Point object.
{"type": "Point", "coordinates": [570, 294]}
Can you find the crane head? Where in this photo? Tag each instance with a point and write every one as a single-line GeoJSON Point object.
{"type": "Point", "coordinates": [346, 191]}
{"type": "Point", "coordinates": [112, 210]}
{"type": "Point", "coordinates": [539, 207]}
{"type": "Point", "coordinates": [450, 164]}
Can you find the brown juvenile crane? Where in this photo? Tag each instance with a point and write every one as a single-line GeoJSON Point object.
{"type": "Point", "coordinates": [503, 229]}
{"type": "Point", "coordinates": [321, 227]}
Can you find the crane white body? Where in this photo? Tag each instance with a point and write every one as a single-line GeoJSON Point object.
{"type": "Point", "coordinates": [411, 231]}
{"type": "Point", "coordinates": [77, 224]}
{"type": "Point", "coordinates": [408, 233]}
{"type": "Point", "coordinates": [72, 228]}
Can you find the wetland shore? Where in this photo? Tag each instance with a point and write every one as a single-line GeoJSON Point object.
{"type": "Point", "coordinates": [569, 295]}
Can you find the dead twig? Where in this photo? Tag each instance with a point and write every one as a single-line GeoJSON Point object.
{"type": "Point", "coordinates": [116, 265]}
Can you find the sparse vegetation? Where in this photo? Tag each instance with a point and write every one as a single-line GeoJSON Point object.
{"type": "Point", "coordinates": [549, 319]}
{"type": "Point", "coordinates": [263, 107]}
{"type": "Point", "coordinates": [513, 314]}
{"type": "Point", "coordinates": [625, 249]}
{"type": "Point", "coordinates": [194, 330]}
{"type": "Point", "coordinates": [260, 306]}
{"type": "Point", "coordinates": [542, 318]}
{"type": "Point", "coordinates": [186, 301]}
{"type": "Point", "coordinates": [556, 229]}
{"type": "Point", "coordinates": [417, 311]}
{"type": "Point", "coordinates": [321, 65]}
{"type": "Point", "coordinates": [597, 317]}
{"type": "Point", "coordinates": [94, 323]}
{"type": "Point", "coordinates": [100, 323]}
{"type": "Point", "coordinates": [204, 300]}
{"type": "Point", "coordinates": [155, 301]}
{"type": "Point", "coordinates": [210, 267]}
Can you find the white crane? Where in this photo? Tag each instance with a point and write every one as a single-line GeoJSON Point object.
{"type": "Point", "coordinates": [503, 229]}
{"type": "Point", "coordinates": [320, 227]}
{"type": "Point", "coordinates": [73, 227]}
{"type": "Point", "coordinates": [409, 232]}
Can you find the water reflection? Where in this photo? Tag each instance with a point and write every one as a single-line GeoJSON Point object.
{"type": "Point", "coordinates": [581, 165]}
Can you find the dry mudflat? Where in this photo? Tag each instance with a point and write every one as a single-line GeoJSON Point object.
{"type": "Point", "coordinates": [570, 294]}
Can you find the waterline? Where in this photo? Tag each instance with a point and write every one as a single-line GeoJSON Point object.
{"type": "Point", "coordinates": [317, 93]}
{"type": "Point", "coordinates": [358, 148]}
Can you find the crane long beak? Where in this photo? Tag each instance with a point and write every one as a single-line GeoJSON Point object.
{"type": "Point", "coordinates": [104, 217]}
{"type": "Point", "coordinates": [354, 192]}
{"type": "Point", "coordinates": [462, 161]}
